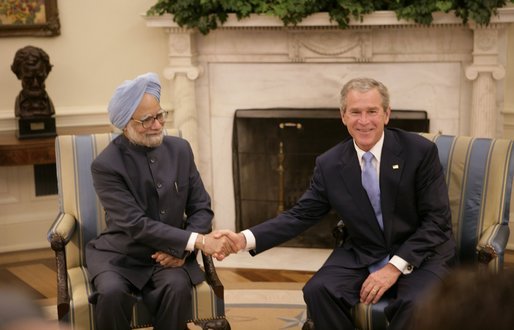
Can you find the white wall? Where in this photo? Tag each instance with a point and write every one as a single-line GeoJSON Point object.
{"type": "Point", "coordinates": [101, 44]}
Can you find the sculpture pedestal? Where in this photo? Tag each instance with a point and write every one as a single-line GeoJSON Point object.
{"type": "Point", "coordinates": [37, 127]}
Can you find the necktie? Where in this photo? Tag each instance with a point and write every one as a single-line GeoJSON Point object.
{"type": "Point", "coordinates": [370, 183]}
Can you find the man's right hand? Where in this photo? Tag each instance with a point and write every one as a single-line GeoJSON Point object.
{"type": "Point", "coordinates": [238, 241]}
{"type": "Point", "coordinates": [218, 245]}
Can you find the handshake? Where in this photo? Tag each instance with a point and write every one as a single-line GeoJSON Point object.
{"type": "Point", "coordinates": [221, 243]}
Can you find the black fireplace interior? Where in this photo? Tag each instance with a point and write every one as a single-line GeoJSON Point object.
{"type": "Point", "coordinates": [273, 154]}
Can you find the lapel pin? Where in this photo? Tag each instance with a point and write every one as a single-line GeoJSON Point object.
{"type": "Point", "coordinates": [395, 167]}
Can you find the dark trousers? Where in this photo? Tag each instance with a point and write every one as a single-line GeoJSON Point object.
{"type": "Point", "coordinates": [167, 295]}
{"type": "Point", "coordinates": [332, 292]}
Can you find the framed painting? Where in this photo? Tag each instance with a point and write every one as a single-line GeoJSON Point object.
{"type": "Point", "coordinates": [38, 18]}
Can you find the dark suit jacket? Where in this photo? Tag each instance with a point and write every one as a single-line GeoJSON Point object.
{"type": "Point", "coordinates": [153, 198]}
{"type": "Point", "coordinates": [414, 199]}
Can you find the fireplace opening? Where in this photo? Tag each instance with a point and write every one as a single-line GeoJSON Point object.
{"type": "Point", "coordinates": [273, 155]}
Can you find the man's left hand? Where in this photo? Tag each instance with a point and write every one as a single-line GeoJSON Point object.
{"type": "Point", "coordinates": [166, 260]}
{"type": "Point", "coordinates": [378, 283]}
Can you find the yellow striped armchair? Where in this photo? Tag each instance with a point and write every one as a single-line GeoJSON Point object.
{"type": "Point", "coordinates": [81, 218]}
{"type": "Point", "coordinates": [479, 174]}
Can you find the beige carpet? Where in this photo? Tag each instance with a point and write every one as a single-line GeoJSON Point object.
{"type": "Point", "coordinates": [258, 306]}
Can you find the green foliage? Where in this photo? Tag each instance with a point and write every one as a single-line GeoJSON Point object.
{"type": "Point", "coordinates": [207, 15]}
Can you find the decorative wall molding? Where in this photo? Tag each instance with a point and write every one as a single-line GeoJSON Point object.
{"type": "Point", "coordinates": [23, 214]}
{"type": "Point", "coordinates": [76, 116]}
{"type": "Point", "coordinates": [352, 46]}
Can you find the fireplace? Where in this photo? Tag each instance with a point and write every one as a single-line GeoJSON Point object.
{"type": "Point", "coordinates": [451, 70]}
{"type": "Point", "coordinates": [273, 155]}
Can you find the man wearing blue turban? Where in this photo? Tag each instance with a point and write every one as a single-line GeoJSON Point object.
{"type": "Point", "coordinates": [147, 182]}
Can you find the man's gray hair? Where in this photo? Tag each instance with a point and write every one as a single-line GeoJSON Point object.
{"type": "Point", "coordinates": [363, 85]}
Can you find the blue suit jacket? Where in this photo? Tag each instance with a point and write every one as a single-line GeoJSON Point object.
{"type": "Point", "coordinates": [414, 199]}
{"type": "Point", "coordinates": [153, 198]}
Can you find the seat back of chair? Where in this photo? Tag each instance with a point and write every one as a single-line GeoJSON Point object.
{"type": "Point", "coordinates": [74, 155]}
{"type": "Point", "coordinates": [479, 174]}
{"type": "Point", "coordinates": [77, 196]}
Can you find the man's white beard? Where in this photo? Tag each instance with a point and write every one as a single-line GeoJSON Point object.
{"type": "Point", "coordinates": [147, 140]}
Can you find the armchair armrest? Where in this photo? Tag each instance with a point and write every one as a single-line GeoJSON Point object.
{"type": "Point", "coordinates": [64, 225]}
{"type": "Point", "coordinates": [492, 243]}
{"type": "Point", "coordinates": [59, 235]}
{"type": "Point", "coordinates": [211, 276]}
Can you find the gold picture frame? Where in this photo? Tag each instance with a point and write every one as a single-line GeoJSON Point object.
{"type": "Point", "coordinates": [39, 18]}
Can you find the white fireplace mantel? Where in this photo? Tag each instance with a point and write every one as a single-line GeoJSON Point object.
{"type": "Point", "coordinates": [454, 71]}
{"type": "Point", "coordinates": [377, 18]}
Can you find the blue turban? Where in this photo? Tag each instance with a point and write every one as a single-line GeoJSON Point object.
{"type": "Point", "coordinates": [129, 94]}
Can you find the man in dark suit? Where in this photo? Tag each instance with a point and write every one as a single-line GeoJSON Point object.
{"type": "Point", "coordinates": [157, 215]}
{"type": "Point", "coordinates": [388, 187]}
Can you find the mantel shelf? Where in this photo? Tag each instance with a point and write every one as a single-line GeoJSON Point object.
{"type": "Point", "coordinates": [378, 18]}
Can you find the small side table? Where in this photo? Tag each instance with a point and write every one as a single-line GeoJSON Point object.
{"type": "Point", "coordinates": [14, 152]}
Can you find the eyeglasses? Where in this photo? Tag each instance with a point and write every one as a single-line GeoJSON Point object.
{"type": "Point", "coordinates": [148, 122]}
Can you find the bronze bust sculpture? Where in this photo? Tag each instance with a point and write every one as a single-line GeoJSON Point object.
{"type": "Point", "coordinates": [32, 65]}
{"type": "Point", "coordinates": [33, 108]}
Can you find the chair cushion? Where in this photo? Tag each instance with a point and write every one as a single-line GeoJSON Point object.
{"type": "Point", "coordinates": [479, 174]}
{"type": "Point", "coordinates": [81, 312]}
{"type": "Point", "coordinates": [206, 305]}
{"type": "Point", "coordinates": [371, 317]}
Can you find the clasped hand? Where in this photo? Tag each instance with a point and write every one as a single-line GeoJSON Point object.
{"type": "Point", "coordinates": [166, 260]}
{"type": "Point", "coordinates": [219, 244]}
{"type": "Point", "coordinates": [222, 243]}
